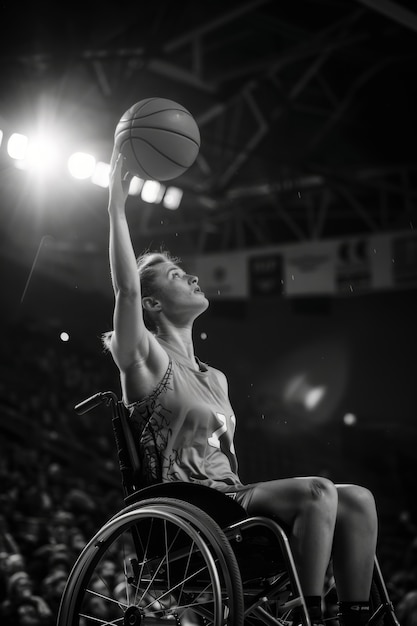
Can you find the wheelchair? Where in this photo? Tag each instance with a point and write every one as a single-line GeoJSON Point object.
{"type": "Point", "coordinates": [189, 555]}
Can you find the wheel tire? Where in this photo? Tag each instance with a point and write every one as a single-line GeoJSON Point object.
{"type": "Point", "coordinates": [173, 561]}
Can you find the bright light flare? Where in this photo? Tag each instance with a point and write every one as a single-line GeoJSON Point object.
{"type": "Point", "coordinates": [81, 165]}
{"type": "Point", "coordinates": [42, 156]}
{"type": "Point", "coordinates": [101, 174]}
{"type": "Point", "coordinates": [313, 397]}
{"type": "Point", "coordinates": [349, 419]}
{"type": "Point", "coordinates": [64, 336]}
{"type": "Point", "coordinates": [152, 191]}
{"type": "Point", "coordinates": [17, 146]}
{"type": "Point", "coordinates": [299, 390]}
{"type": "Point", "coordinates": [135, 186]}
{"type": "Point", "coordinates": [172, 198]}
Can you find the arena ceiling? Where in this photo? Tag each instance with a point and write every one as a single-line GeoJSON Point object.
{"type": "Point", "coordinates": [307, 112]}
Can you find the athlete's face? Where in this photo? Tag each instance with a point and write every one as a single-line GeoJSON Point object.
{"type": "Point", "coordinates": [178, 291]}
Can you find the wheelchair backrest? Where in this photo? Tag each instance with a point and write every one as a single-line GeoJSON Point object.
{"type": "Point", "coordinates": [127, 453]}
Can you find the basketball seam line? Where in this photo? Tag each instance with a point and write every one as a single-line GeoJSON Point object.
{"type": "Point", "coordinates": [166, 130]}
{"type": "Point", "coordinates": [156, 112]}
{"type": "Point", "coordinates": [129, 119]}
{"type": "Point", "coordinates": [143, 105]}
{"type": "Point", "coordinates": [134, 152]}
{"type": "Point", "coordinates": [156, 150]}
{"type": "Point", "coordinates": [140, 108]}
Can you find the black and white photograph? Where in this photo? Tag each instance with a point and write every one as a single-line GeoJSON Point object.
{"type": "Point", "coordinates": [208, 273]}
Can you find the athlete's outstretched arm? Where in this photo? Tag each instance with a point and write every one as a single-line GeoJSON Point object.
{"type": "Point", "coordinates": [130, 340]}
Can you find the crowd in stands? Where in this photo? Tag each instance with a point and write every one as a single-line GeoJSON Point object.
{"type": "Point", "coordinates": [58, 471]}
{"type": "Point", "coordinates": [60, 481]}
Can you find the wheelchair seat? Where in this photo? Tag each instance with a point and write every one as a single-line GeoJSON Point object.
{"type": "Point", "coordinates": [221, 507]}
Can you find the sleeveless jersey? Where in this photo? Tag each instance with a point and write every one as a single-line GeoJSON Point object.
{"type": "Point", "coordinates": [184, 430]}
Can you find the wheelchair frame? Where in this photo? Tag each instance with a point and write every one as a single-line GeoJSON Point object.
{"type": "Point", "coordinates": [191, 555]}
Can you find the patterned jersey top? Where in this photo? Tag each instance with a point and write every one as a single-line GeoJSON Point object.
{"type": "Point", "coordinates": [184, 429]}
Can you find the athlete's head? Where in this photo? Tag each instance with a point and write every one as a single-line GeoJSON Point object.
{"type": "Point", "coordinates": [164, 286]}
{"type": "Point", "coordinates": [167, 290]}
{"type": "Point", "coordinates": [149, 266]}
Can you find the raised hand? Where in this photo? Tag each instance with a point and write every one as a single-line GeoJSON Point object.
{"type": "Point", "coordinates": [119, 181]}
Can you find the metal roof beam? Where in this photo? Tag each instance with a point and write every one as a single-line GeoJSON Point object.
{"type": "Point", "coordinates": [394, 11]}
{"type": "Point", "coordinates": [182, 40]}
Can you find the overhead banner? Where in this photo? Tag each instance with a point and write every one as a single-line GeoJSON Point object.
{"type": "Point", "coordinates": [334, 267]}
{"type": "Point", "coordinates": [222, 276]}
{"type": "Point", "coordinates": [404, 260]}
{"type": "Point", "coordinates": [265, 272]}
{"type": "Point", "coordinates": [310, 268]}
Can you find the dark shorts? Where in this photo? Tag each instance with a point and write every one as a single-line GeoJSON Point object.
{"type": "Point", "coordinates": [243, 496]}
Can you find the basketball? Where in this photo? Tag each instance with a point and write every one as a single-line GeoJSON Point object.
{"type": "Point", "coordinates": [159, 139]}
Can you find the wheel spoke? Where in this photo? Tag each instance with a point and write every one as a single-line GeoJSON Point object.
{"type": "Point", "coordinates": [169, 566]}
{"type": "Point", "coordinates": [101, 621]}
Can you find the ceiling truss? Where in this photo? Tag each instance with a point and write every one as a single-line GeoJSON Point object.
{"type": "Point", "coordinates": [241, 193]}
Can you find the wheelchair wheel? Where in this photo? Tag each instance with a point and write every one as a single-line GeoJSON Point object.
{"type": "Point", "coordinates": [264, 599]}
{"type": "Point", "coordinates": [174, 566]}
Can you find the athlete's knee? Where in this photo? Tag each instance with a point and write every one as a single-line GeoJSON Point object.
{"type": "Point", "coordinates": [322, 488]}
{"type": "Point", "coordinates": [358, 500]}
{"type": "Point", "coordinates": [320, 496]}
{"type": "Point", "coordinates": [320, 491]}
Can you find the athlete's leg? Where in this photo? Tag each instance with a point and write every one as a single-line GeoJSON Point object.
{"type": "Point", "coordinates": [308, 506]}
{"type": "Point", "coordinates": [354, 542]}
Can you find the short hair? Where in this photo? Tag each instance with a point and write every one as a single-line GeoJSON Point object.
{"type": "Point", "coordinates": [147, 264]}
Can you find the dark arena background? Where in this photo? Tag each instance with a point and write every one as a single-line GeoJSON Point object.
{"type": "Point", "coordinates": [299, 216]}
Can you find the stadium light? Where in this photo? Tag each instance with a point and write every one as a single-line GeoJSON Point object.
{"type": "Point", "coordinates": [172, 198]}
{"type": "Point", "coordinates": [101, 174]}
{"type": "Point", "coordinates": [135, 186]}
{"type": "Point", "coordinates": [152, 191]}
{"type": "Point", "coordinates": [41, 156]}
{"type": "Point", "coordinates": [101, 177]}
{"type": "Point", "coordinates": [81, 165]}
{"type": "Point", "coordinates": [17, 146]}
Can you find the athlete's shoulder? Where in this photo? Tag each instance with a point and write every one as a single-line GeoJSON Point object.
{"type": "Point", "coordinates": [221, 376]}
